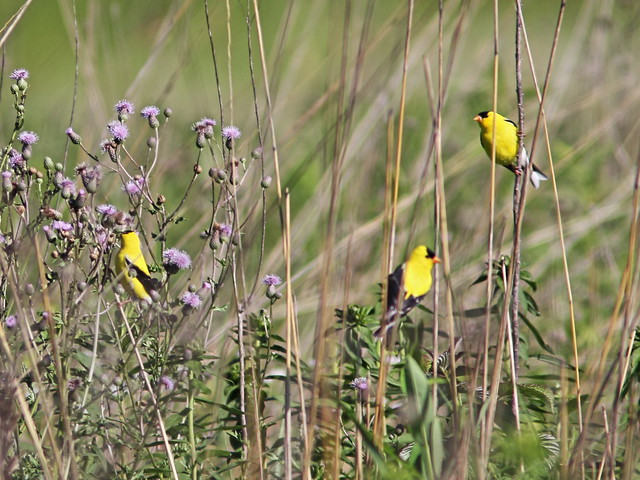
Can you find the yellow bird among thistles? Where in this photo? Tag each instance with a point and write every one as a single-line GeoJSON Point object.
{"type": "Point", "coordinates": [506, 144]}
{"type": "Point", "coordinates": [131, 260]}
{"type": "Point", "coordinates": [409, 282]}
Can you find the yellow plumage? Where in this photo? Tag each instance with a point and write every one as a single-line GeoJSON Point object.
{"type": "Point", "coordinates": [130, 258]}
{"type": "Point", "coordinates": [409, 282]}
{"type": "Point", "coordinates": [506, 144]}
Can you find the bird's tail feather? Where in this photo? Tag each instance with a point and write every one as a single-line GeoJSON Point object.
{"type": "Point", "coordinates": [536, 174]}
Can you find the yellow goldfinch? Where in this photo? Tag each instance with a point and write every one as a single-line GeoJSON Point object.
{"type": "Point", "coordinates": [410, 281]}
{"type": "Point", "coordinates": [506, 144]}
{"type": "Point", "coordinates": [130, 259]}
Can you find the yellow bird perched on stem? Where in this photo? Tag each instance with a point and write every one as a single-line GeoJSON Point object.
{"type": "Point", "coordinates": [132, 269]}
{"type": "Point", "coordinates": [506, 144]}
{"type": "Point", "coordinates": [410, 282]}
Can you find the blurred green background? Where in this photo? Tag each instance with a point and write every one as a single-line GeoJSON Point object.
{"type": "Point", "coordinates": [158, 52]}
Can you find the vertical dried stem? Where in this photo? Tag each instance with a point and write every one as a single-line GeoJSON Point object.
{"type": "Point", "coordinates": [485, 430]}
{"type": "Point", "coordinates": [519, 191]}
{"type": "Point", "coordinates": [287, 385]}
{"type": "Point", "coordinates": [378, 425]}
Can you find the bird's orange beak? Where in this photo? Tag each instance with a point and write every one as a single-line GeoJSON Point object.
{"type": "Point", "coordinates": [478, 118]}
{"type": "Point", "coordinates": [436, 260]}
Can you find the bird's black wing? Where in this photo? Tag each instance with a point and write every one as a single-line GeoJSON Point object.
{"type": "Point", "coordinates": [148, 282]}
{"type": "Point", "coordinates": [394, 290]}
{"type": "Point", "coordinates": [511, 122]}
{"type": "Point", "coordinates": [409, 304]}
{"type": "Point", "coordinates": [394, 296]}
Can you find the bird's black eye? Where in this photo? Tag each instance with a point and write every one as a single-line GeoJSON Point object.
{"type": "Point", "coordinates": [430, 253]}
{"type": "Point", "coordinates": [483, 114]}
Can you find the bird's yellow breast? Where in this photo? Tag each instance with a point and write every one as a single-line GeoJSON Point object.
{"type": "Point", "coordinates": [130, 254]}
{"type": "Point", "coordinates": [506, 138]}
{"type": "Point", "coordinates": [417, 275]}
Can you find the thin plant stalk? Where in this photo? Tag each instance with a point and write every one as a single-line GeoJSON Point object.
{"type": "Point", "coordinates": [152, 396]}
{"type": "Point", "coordinates": [378, 426]}
{"type": "Point", "coordinates": [485, 424]}
{"type": "Point", "coordinates": [288, 461]}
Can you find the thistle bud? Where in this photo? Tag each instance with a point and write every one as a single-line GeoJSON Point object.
{"type": "Point", "coordinates": [58, 179]}
{"type": "Point", "coordinates": [201, 141]}
{"type": "Point", "coordinates": [26, 152]}
{"type": "Point", "coordinates": [256, 154]}
{"type": "Point", "coordinates": [66, 192]}
{"type": "Point", "coordinates": [80, 200]}
{"type": "Point", "coordinates": [51, 235]}
{"type": "Point", "coordinates": [221, 175]}
{"type": "Point", "coordinates": [7, 184]}
{"type": "Point", "coordinates": [73, 136]}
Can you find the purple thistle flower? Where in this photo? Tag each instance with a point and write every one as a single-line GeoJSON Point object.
{"type": "Point", "coordinates": [124, 107]}
{"type": "Point", "coordinates": [167, 383]}
{"type": "Point", "coordinates": [106, 209]}
{"type": "Point", "coordinates": [2, 238]}
{"type": "Point", "coordinates": [68, 187]}
{"type": "Point", "coordinates": [6, 174]}
{"type": "Point", "coordinates": [225, 230]}
{"type": "Point", "coordinates": [118, 130]}
{"type": "Point", "coordinates": [11, 321]}
{"type": "Point", "coordinates": [102, 236]}
{"type": "Point", "coordinates": [174, 260]}
{"type": "Point", "coordinates": [361, 386]}
{"type": "Point", "coordinates": [91, 176]}
{"type": "Point", "coordinates": [204, 125]}
{"type": "Point", "coordinates": [231, 132]}
{"type": "Point", "coordinates": [191, 299]}
{"type": "Point", "coordinates": [150, 111]}
{"type": "Point", "coordinates": [132, 188]}
{"type": "Point", "coordinates": [206, 286]}
{"type": "Point", "coordinates": [272, 280]}
{"type": "Point", "coordinates": [204, 129]}
{"type": "Point", "coordinates": [73, 384]}
{"type": "Point", "coordinates": [61, 226]}
{"type": "Point", "coordinates": [16, 160]}
{"type": "Point", "coordinates": [105, 145]}
{"type": "Point", "coordinates": [20, 74]}
{"type": "Point", "coordinates": [28, 138]}
{"type": "Point", "coordinates": [360, 383]}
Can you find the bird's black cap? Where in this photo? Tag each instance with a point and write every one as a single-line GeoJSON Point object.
{"type": "Point", "coordinates": [483, 114]}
